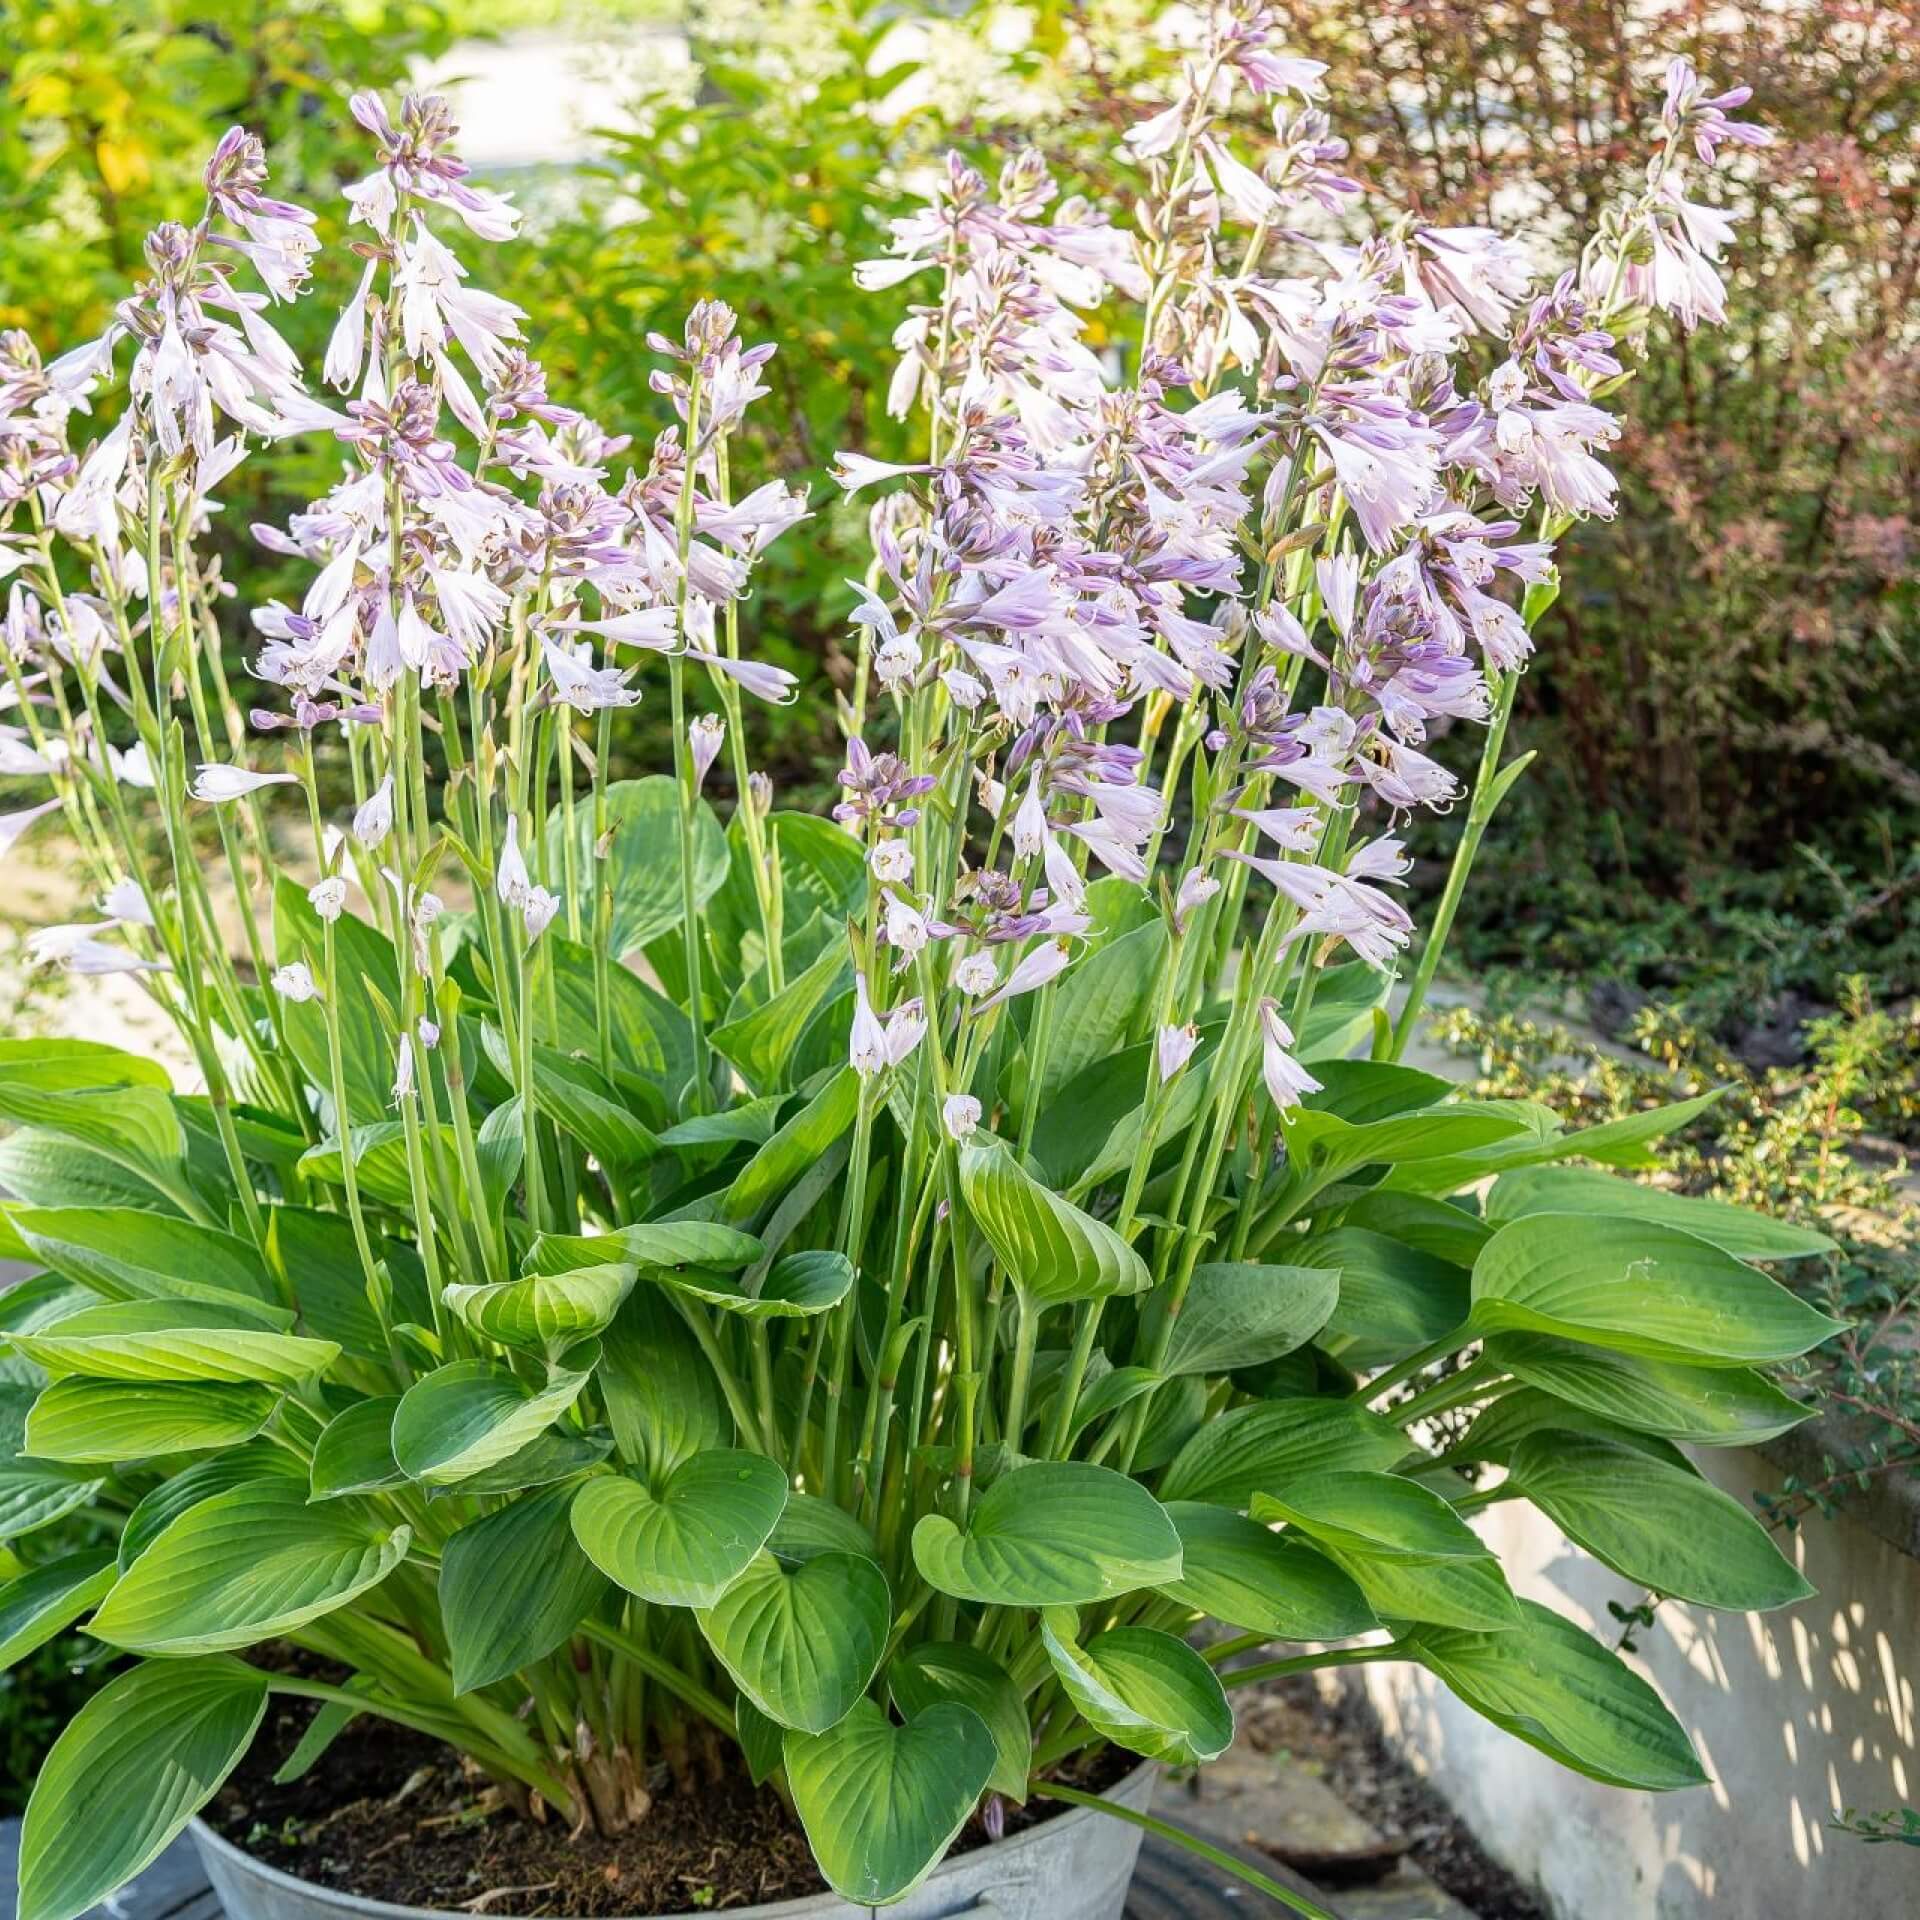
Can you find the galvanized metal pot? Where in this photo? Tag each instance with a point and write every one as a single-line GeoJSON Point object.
{"type": "Point", "coordinates": [1075, 1866]}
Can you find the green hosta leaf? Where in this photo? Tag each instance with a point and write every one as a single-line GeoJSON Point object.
{"type": "Point", "coordinates": [123, 1253]}
{"type": "Point", "coordinates": [652, 1042]}
{"type": "Point", "coordinates": [1661, 1526]}
{"type": "Point", "coordinates": [1394, 1299]}
{"type": "Point", "coordinates": [1558, 1689]}
{"type": "Point", "coordinates": [244, 1566]}
{"type": "Point", "coordinates": [810, 1526]}
{"type": "Point", "coordinates": [802, 1645]}
{"type": "Point", "coordinates": [662, 1399]}
{"type": "Point", "coordinates": [557, 1454]}
{"type": "Point", "coordinates": [1361, 1092]}
{"type": "Point", "coordinates": [1103, 1006]}
{"type": "Point", "coordinates": [687, 1547]}
{"type": "Point", "coordinates": [881, 1804]}
{"type": "Point", "coordinates": [1522, 1412]}
{"type": "Point", "coordinates": [1055, 1533]}
{"type": "Point", "coordinates": [40, 1169]}
{"type": "Point", "coordinates": [1324, 1146]}
{"type": "Point", "coordinates": [1417, 1220]}
{"type": "Point", "coordinates": [106, 1100]}
{"type": "Point", "coordinates": [545, 1309]}
{"type": "Point", "coordinates": [801, 1143]}
{"type": "Point", "coordinates": [1265, 1447]}
{"type": "Point", "coordinates": [578, 1101]}
{"type": "Point", "coordinates": [1578, 1190]}
{"type": "Point", "coordinates": [1052, 1251]}
{"type": "Point", "coordinates": [457, 1421]}
{"type": "Point", "coordinates": [1342, 1012]}
{"type": "Point", "coordinates": [1405, 1547]}
{"type": "Point", "coordinates": [153, 1340]}
{"type": "Point", "coordinates": [1639, 1288]}
{"type": "Point", "coordinates": [217, 1473]}
{"type": "Point", "coordinates": [796, 1285]}
{"type": "Point", "coordinates": [643, 858]}
{"type": "Point", "coordinates": [513, 1586]}
{"type": "Point", "coordinates": [316, 1260]}
{"type": "Point", "coordinates": [379, 1161]}
{"type": "Point", "coordinates": [1706, 1406]}
{"type": "Point", "coordinates": [762, 1042]}
{"type": "Point", "coordinates": [655, 1246]}
{"type": "Point", "coordinates": [1145, 1689]}
{"type": "Point", "coordinates": [354, 1453]}
{"type": "Point", "coordinates": [1238, 1571]}
{"type": "Point", "coordinates": [33, 1493]}
{"type": "Point", "coordinates": [137, 1762]}
{"type": "Point", "coordinates": [91, 1421]}
{"type": "Point", "coordinates": [760, 1740]}
{"type": "Point", "coordinates": [939, 1670]}
{"type": "Point", "coordinates": [1238, 1316]}
{"type": "Point", "coordinates": [47, 1600]}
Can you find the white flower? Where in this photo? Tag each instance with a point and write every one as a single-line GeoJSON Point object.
{"type": "Point", "coordinates": [1044, 963]}
{"type": "Point", "coordinates": [1288, 1082]}
{"type": "Point", "coordinates": [220, 784]}
{"type": "Point", "coordinates": [374, 820]}
{"type": "Point", "coordinates": [705, 732]}
{"type": "Point", "coordinates": [429, 1032]}
{"type": "Point", "coordinates": [511, 881]}
{"type": "Point", "coordinates": [891, 862]}
{"type": "Point", "coordinates": [976, 974]}
{"type": "Point", "coordinates": [906, 926]}
{"type": "Point", "coordinates": [125, 903]}
{"type": "Point", "coordinates": [867, 1042]}
{"type": "Point", "coordinates": [295, 982]}
{"type": "Point", "coordinates": [854, 471]}
{"type": "Point", "coordinates": [1175, 1048]}
{"type": "Point", "coordinates": [538, 911]}
{"type": "Point", "coordinates": [960, 1113]}
{"type": "Point", "coordinates": [328, 897]}
{"type": "Point", "coordinates": [403, 1069]}
{"type": "Point", "coordinates": [584, 688]}
{"type": "Point", "coordinates": [99, 956]}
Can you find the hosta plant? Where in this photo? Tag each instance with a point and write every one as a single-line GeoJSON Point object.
{"type": "Point", "coordinates": [643, 1276]}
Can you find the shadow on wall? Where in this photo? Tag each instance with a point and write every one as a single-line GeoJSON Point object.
{"type": "Point", "coordinates": [1795, 1714]}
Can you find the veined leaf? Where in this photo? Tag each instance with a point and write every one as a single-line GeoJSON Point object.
{"type": "Point", "coordinates": [1238, 1315]}
{"type": "Point", "coordinates": [1240, 1572]}
{"type": "Point", "coordinates": [642, 859]}
{"type": "Point", "coordinates": [105, 1099]}
{"type": "Point", "coordinates": [1393, 1301]}
{"type": "Point", "coordinates": [802, 1645]}
{"type": "Point", "coordinates": [662, 1399]}
{"type": "Point", "coordinates": [44, 1601]}
{"type": "Point", "coordinates": [1521, 1412]}
{"type": "Point", "coordinates": [1661, 1526]}
{"type": "Point", "coordinates": [799, 1144]}
{"type": "Point", "coordinates": [939, 1670]}
{"type": "Point", "coordinates": [137, 1762]}
{"type": "Point", "coordinates": [761, 1042]}
{"type": "Point", "coordinates": [1705, 1406]}
{"type": "Point", "coordinates": [1579, 1190]}
{"type": "Point", "coordinates": [1558, 1689]}
{"type": "Point", "coordinates": [157, 1509]}
{"type": "Point", "coordinates": [1054, 1533]}
{"type": "Point", "coordinates": [545, 1309]}
{"type": "Point", "coordinates": [125, 1253]}
{"type": "Point", "coordinates": [1145, 1689]}
{"type": "Point", "coordinates": [1417, 1220]}
{"type": "Point", "coordinates": [101, 1421]}
{"type": "Point", "coordinates": [685, 1548]}
{"type": "Point", "coordinates": [460, 1419]}
{"type": "Point", "coordinates": [354, 1453]}
{"type": "Point", "coordinates": [244, 1566]}
{"type": "Point", "coordinates": [798, 1284]}
{"type": "Point", "coordinates": [513, 1586]}
{"type": "Point", "coordinates": [1324, 1146]}
{"type": "Point", "coordinates": [810, 1526]}
{"type": "Point", "coordinates": [1404, 1547]}
{"type": "Point", "coordinates": [1052, 1251]}
{"type": "Point", "coordinates": [1639, 1288]}
{"type": "Point", "coordinates": [574, 1097]}
{"type": "Point", "coordinates": [1266, 1446]}
{"type": "Point", "coordinates": [33, 1493]}
{"type": "Point", "coordinates": [152, 1340]}
{"type": "Point", "coordinates": [881, 1804]}
{"type": "Point", "coordinates": [654, 1245]}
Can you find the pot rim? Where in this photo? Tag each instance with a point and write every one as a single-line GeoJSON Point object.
{"type": "Point", "coordinates": [205, 1837]}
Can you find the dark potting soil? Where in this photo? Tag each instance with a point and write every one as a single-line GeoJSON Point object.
{"type": "Point", "coordinates": [392, 1815]}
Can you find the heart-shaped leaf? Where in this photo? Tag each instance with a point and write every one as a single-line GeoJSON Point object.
{"type": "Point", "coordinates": [802, 1644]}
{"type": "Point", "coordinates": [134, 1765]}
{"type": "Point", "coordinates": [150, 1340]}
{"type": "Point", "coordinates": [880, 1803]}
{"type": "Point", "coordinates": [1052, 1251]}
{"type": "Point", "coordinates": [1558, 1689]}
{"type": "Point", "coordinates": [1661, 1526]}
{"type": "Point", "coordinates": [1264, 1447]}
{"type": "Point", "coordinates": [513, 1585]}
{"type": "Point", "coordinates": [1143, 1688]}
{"type": "Point", "coordinates": [1247, 1575]}
{"type": "Point", "coordinates": [545, 1310]}
{"type": "Point", "coordinates": [1403, 1546]}
{"type": "Point", "coordinates": [460, 1419]}
{"type": "Point", "coordinates": [939, 1670]}
{"type": "Point", "coordinates": [354, 1453]}
{"type": "Point", "coordinates": [1238, 1315]}
{"type": "Point", "coordinates": [1054, 1533]}
{"type": "Point", "coordinates": [244, 1566]}
{"type": "Point", "coordinates": [687, 1547]}
{"type": "Point", "coordinates": [1639, 1288]}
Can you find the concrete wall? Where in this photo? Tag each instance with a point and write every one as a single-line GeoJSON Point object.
{"type": "Point", "coordinates": [1795, 1714]}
